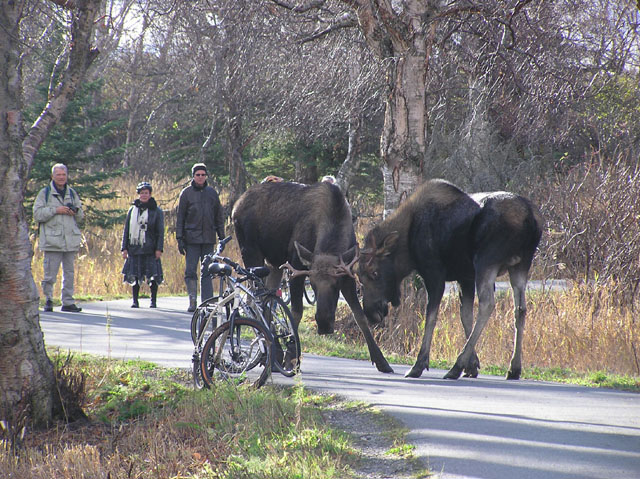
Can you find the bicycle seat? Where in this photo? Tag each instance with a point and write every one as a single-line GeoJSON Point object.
{"type": "Point", "coordinates": [260, 271]}
{"type": "Point", "coordinates": [219, 269]}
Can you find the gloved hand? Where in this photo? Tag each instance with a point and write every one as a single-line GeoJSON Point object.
{"type": "Point", "coordinates": [181, 247]}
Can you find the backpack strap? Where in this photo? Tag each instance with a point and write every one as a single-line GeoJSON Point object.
{"type": "Point", "coordinates": [47, 192]}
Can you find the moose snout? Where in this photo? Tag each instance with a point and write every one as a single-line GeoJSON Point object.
{"type": "Point", "coordinates": [376, 312]}
{"type": "Point", "coordinates": [325, 321]}
{"type": "Point", "coordinates": [325, 328]}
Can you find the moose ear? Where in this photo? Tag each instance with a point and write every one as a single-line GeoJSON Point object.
{"type": "Point", "coordinates": [304, 254]}
{"type": "Point", "coordinates": [389, 244]}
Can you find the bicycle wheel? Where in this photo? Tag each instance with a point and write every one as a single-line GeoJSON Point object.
{"type": "Point", "coordinates": [309, 293]}
{"type": "Point", "coordinates": [238, 350]}
{"type": "Point", "coordinates": [286, 342]}
{"type": "Point", "coordinates": [204, 312]}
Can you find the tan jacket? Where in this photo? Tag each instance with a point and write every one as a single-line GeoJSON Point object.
{"type": "Point", "coordinates": [57, 232]}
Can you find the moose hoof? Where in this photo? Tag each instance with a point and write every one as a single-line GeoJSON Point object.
{"type": "Point", "coordinates": [513, 374]}
{"type": "Point", "coordinates": [454, 373]}
{"type": "Point", "coordinates": [415, 372]}
{"type": "Point", "coordinates": [384, 367]}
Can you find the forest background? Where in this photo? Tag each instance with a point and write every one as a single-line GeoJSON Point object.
{"type": "Point", "coordinates": [254, 88]}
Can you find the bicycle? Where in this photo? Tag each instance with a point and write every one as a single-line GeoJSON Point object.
{"type": "Point", "coordinates": [255, 330]}
{"type": "Point", "coordinates": [199, 323]}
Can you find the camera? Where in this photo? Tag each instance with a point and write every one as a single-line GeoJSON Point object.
{"type": "Point", "coordinates": [71, 207]}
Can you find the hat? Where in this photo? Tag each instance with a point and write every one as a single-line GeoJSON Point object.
{"type": "Point", "coordinates": [198, 166]}
{"type": "Point", "coordinates": [143, 185]}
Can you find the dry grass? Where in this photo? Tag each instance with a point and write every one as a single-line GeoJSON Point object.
{"type": "Point", "coordinates": [99, 262]}
{"type": "Point", "coordinates": [581, 329]}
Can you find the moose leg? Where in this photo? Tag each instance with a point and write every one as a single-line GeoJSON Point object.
{"type": "Point", "coordinates": [467, 293]}
{"type": "Point", "coordinates": [296, 289]}
{"type": "Point", "coordinates": [518, 280]}
{"type": "Point", "coordinates": [435, 291]}
{"type": "Point", "coordinates": [348, 288]}
{"type": "Point", "coordinates": [485, 283]}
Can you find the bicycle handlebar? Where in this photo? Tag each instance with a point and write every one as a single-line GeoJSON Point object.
{"type": "Point", "coordinates": [216, 256]}
{"type": "Point", "coordinates": [221, 244]}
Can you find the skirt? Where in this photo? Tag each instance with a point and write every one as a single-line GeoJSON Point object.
{"type": "Point", "coordinates": [142, 267]}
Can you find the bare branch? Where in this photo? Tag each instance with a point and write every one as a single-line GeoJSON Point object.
{"type": "Point", "coordinates": [300, 8]}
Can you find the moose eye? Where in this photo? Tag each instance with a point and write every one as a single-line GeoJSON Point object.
{"type": "Point", "coordinates": [375, 275]}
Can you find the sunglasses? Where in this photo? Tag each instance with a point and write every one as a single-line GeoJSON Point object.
{"type": "Point", "coordinates": [200, 174]}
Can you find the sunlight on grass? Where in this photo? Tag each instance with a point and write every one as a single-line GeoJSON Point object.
{"type": "Point", "coordinates": [545, 358]}
{"type": "Point", "coordinates": [152, 420]}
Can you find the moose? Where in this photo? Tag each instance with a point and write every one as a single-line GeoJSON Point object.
{"type": "Point", "coordinates": [309, 230]}
{"type": "Point", "coordinates": [447, 235]}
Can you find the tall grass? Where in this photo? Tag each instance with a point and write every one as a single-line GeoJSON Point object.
{"type": "Point", "coordinates": [581, 329]}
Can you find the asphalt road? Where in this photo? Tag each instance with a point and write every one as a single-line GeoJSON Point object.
{"type": "Point", "coordinates": [484, 428]}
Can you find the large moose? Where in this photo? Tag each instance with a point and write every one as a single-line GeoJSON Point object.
{"type": "Point", "coordinates": [447, 235]}
{"type": "Point", "coordinates": [310, 229]}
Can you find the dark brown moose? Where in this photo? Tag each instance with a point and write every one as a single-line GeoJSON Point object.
{"type": "Point", "coordinates": [309, 229]}
{"type": "Point", "coordinates": [447, 235]}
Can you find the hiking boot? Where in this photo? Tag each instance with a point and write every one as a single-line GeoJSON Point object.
{"type": "Point", "coordinates": [192, 305]}
{"type": "Point", "coordinates": [70, 308]}
{"type": "Point", "coordinates": [153, 304]}
{"type": "Point", "coordinates": [135, 304]}
{"type": "Point", "coordinates": [48, 306]}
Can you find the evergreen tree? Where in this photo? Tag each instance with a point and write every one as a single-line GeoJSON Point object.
{"type": "Point", "coordinates": [83, 140]}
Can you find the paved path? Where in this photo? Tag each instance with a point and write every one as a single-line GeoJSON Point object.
{"type": "Point", "coordinates": [485, 428]}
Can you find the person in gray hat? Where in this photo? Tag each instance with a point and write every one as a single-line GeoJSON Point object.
{"type": "Point", "coordinates": [200, 218]}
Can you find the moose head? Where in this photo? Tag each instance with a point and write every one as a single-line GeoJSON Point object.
{"type": "Point", "coordinates": [326, 273]}
{"type": "Point", "coordinates": [377, 276]}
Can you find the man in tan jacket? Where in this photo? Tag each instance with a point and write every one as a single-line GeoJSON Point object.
{"type": "Point", "coordinates": [58, 210]}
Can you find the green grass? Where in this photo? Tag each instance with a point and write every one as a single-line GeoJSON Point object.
{"type": "Point", "coordinates": [155, 425]}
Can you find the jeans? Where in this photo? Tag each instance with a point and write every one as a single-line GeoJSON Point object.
{"type": "Point", "coordinates": [194, 255]}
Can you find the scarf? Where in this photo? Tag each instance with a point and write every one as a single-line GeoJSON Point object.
{"type": "Point", "coordinates": [138, 225]}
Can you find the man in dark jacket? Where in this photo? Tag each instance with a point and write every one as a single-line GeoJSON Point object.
{"type": "Point", "coordinates": [200, 217]}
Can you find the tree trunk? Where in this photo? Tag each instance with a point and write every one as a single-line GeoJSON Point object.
{"type": "Point", "coordinates": [401, 39]}
{"type": "Point", "coordinates": [404, 136]}
{"type": "Point", "coordinates": [351, 163]}
{"type": "Point", "coordinates": [237, 170]}
{"type": "Point", "coordinates": [134, 96]}
{"type": "Point", "coordinates": [26, 372]}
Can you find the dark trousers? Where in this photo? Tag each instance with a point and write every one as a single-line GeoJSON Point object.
{"type": "Point", "coordinates": [194, 255]}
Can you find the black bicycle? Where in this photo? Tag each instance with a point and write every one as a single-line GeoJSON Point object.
{"type": "Point", "coordinates": [249, 330]}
